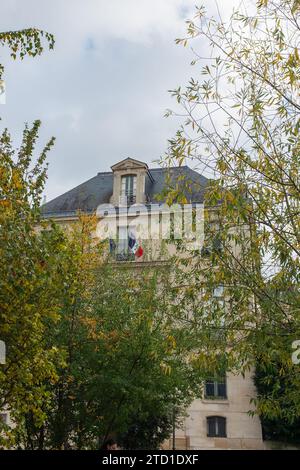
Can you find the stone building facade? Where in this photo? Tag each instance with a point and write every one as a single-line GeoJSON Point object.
{"type": "Point", "coordinates": [219, 418]}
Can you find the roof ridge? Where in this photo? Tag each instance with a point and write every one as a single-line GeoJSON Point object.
{"type": "Point", "coordinates": [168, 167]}
{"type": "Point", "coordinates": [99, 188]}
{"type": "Point", "coordinates": [150, 169]}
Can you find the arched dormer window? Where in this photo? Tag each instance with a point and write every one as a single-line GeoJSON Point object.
{"type": "Point", "coordinates": [128, 188]}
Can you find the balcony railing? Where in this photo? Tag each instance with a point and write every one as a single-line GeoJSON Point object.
{"type": "Point", "coordinates": [124, 256]}
{"type": "Point", "coordinates": [127, 199]}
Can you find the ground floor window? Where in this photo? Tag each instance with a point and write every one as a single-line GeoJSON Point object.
{"type": "Point", "coordinates": [216, 426]}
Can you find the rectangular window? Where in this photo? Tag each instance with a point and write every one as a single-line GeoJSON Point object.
{"type": "Point", "coordinates": [222, 392]}
{"type": "Point", "coordinates": [209, 389]}
{"type": "Point", "coordinates": [216, 426]}
{"type": "Point", "coordinates": [122, 246]}
{"type": "Point", "coordinates": [122, 251]}
{"type": "Point", "coordinates": [128, 190]}
{"type": "Point", "coordinates": [215, 389]}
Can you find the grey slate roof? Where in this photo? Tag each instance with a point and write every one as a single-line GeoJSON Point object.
{"type": "Point", "coordinates": [89, 195]}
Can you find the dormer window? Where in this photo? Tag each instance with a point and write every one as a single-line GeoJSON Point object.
{"type": "Point", "coordinates": [130, 177]}
{"type": "Point", "coordinates": [128, 189]}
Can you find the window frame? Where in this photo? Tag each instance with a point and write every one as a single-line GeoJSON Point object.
{"type": "Point", "coordinates": [219, 424]}
{"type": "Point", "coordinates": [121, 250]}
{"type": "Point", "coordinates": [216, 384]}
{"type": "Point", "coordinates": [128, 189]}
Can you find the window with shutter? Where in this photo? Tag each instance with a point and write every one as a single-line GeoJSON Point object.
{"type": "Point", "coordinates": [222, 393]}
{"type": "Point", "coordinates": [211, 427]}
{"type": "Point", "coordinates": [221, 424]}
{"type": "Point", "coordinates": [209, 389]}
{"type": "Point", "coordinates": [216, 389]}
{"type": "Point", "coordinates": [216, 426]}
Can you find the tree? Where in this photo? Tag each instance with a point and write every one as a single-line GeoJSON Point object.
{"type": "Point", "coordinates": [242, 127]}
{"type": "Point", "coordinates": [74, 264]}
{"type": "Point", "coordinates": [28, 274]}
{"type": "Point", "coordinates": [23, 272]}
{"type": "Point", "coordinates": [128, 369]}
{"type": "Point", "coordinates": [272, 380]}
{"type": "Point", "coordinates": [148, 375]}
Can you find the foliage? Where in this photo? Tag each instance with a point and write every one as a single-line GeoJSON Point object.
{"type": "Point", "coordinates": [147, 372]}
{"type": "Point", "coordinates": [242, 128]}
{"type": "Point", "coordinates": [25, 42]}
{"type": "Point", "coordinates": [127, 360]}
{"type": "Point", "coordinates": [27, 274]}
{"type": "Point", "coordinates": [92, 350]}
{"type": "Point", "coordinates": [149, 431]}
{"type": "Point", "coordinates": [272, 380]}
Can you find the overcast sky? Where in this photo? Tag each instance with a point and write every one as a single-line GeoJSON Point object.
{"type": "Point", "coordinates": [103, 91]}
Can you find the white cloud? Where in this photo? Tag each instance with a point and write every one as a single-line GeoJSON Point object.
{"type": "Point", "coordinates": [132, 20]}
{"type": "Point", "coordinates": [103, 90]}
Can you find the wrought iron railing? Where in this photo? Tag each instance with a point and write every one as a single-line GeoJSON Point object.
{"type": "Point", "coordinates": [127, 199]}
{"type": "Point", "coordinates": [124, 257]}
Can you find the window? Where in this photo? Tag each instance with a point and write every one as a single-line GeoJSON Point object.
{"type": "Point", "coordinates": [121, 248]}
{"type": "Point", "coordinates": [215, 389]}
{"type": "Point", "coordinates": [214, 313]}
{"type": "Point", "coordinates": [216, 426]}
{"type": "Point", "coordinates": [128, 189]}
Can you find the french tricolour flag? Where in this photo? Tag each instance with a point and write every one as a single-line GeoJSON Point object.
{"type": "Point", "coordinates": [134, 246]}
